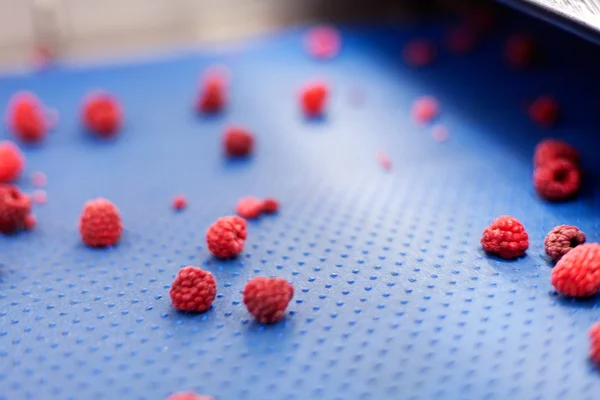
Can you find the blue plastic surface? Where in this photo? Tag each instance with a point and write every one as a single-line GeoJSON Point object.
{"type": "Point", "coordinates": [394, 297]}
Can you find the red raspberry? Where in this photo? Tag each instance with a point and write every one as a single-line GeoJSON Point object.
{"type": "Point", "coordinates": [562, 239]}
{"type": "Point", "coordinates": [238, 142]}
{"type": "Point", "coordinates": [188, 396]}
{"type": "Point", "coordinates": [419, 53]}
{"type": "Point", "coordinates": [100, 224]}
{"type": "Point", "coordinates": [30, 222]}
{"type": "Point", "coordinates": [225, 238]}
{"type": "Point", "coordinates": [544, 111]}
{"type": "Point", "coordinates": [595, 344]}
{"type": "Point", "coordinates": [14, 209]}
{"type": "Point", "coordinates": [12, 162]}
{"type": "Point", "coordinates": [213, 92]}
{"type": "Point", "coordinates": [577, 273]}
{"type": "Point", "coordinates": [26, 118]}
{"type": "Point", "coordinates": [520, 51]}
{"type": "Point", "coordinates": [313, 99]}
{"type": "Point", "coordinates": [193, 290]}
{"type": "Point", "coordinates": [270, 205]}
{"type": "Point", "coordinates": [179, 202]}
{"type": "Point", "coordinates": [249, 207]}
{"type": "Point", "coordinates": [323, 42]}
{"type": "Point", "coordinates": [550, 149]}
{"type": "Point", "coordinates": [425, 109]}
{"type": "Point", "coordinates": [267, 298]}
{"type": "Point", "coordinates": [557, 180]}
{"type": "Point", "coordinates": [505, 237]}
{"type": "Point", "coordinates": [102, 114]}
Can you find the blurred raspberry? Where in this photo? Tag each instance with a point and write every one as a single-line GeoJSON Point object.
{"type": "Point", "coordinates": [267, 298]}
{"type": "Point", "coordinates": [562, 239]}
{"type": "Point", "coordinates": [461, 40]}
{"type": "Point", "coordinates": [313, 99]}
{"type": "Point", "coordinates": [577, 273]}
{"type": "Point", "coordinates": [505, 237]}
{"type": "Point", "coordinates": [39, 197]}
{"type": "Point", "coordinates": [179, 202]}
{"type": "Point", "coordinates": [544, 111]}
{"type": "Point", "coordinates": [249, 207]}
{"type": "Point", "coordinates": [30, 222]}
{"type": "Point", "coordinates": [270, 205]}
{"type": "Point", "coordinates": [225, 238]}
{"type": "Point", "coordinates": [26, 118]}
{"type": "Point", "coordinates": [238, 142]}
{"type": "Point", "coordinates": [188, 396]}
{"type": "Point", "coordinates": [384, 160]}
{"type": "Point", "coordinates": [100, 224]}
{"type": "Point", "coordinates": [15, 206]}
{"type": "Point", "coordinates": [440, 133]}
{"type": "Point", "coordinates": [550, 149]}
{"type": "Point", "coordinates": [557, 180]}
{"type": "Point", "coordinates": [425, 109]}
{"type": "Point", "coordinates": [419, 53]}
{"type": "Point", "coordinates": [521, 51]}
{"type": "Point", "coordinates": [193, 290]}
{"type": "Point", "coordinates": [323, 42]}
{"type": "Point", "coordinates": [594, 334]}
{"type": "Point", "coordinates": [213, 92]}
{"type": "Point", "coordinates": [38, 179]}
{"type": "Point", "coordinates": [12, 162]}
{"type": "Point", "coordinates": [102, 114]}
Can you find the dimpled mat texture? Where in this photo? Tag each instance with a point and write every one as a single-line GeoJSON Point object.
{"type": "Point", "coordinates": [394, 297]}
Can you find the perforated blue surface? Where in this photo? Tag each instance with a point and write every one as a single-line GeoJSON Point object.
{"type": "Point", "coordinates": [394, 297]}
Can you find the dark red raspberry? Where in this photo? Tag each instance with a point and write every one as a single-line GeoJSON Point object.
{"type": "Point", "coordinates": [26, 118]}
{"type": "Point", "coordinates": [419, 53]}
{"type": "Point", "coordinates": [238, 142]}
{"type": "Point", "coordinates": [505, 237]}
{"type": "Point", "coordinates": [577, 273]}
{"type": "Point", "coordinates": [188, 396]}
{"type": "Point", "coordinates": [313, 99]}
{"type": "Point", "coordinates": [267, 298]}
{"type": "Point", "coordinates": [30, 222]}
{"type": "Point", "coordinates": [544, 111]}
{"type": "Point", "coordinates": [225, 238]}
{"type": "Point", "coordinates": [323, 42]}
{"type": "Point", "coordinates": [12, 162]}
{"type": "Point", "coordinates": [249, 207]}
{"type": "Point", "coordinates": [100, 224]}
{"type": "Point", "coordinates": [562, 239]}
{"type": "Point", "coordinates": [213, 92]}
{"type": "Point", "coordinates": [193, 290]}
{"type": "Point", "coordinates": [550, 149]}
{"type": "Point", "coordinates": [557, 180]}
{"type": "Point", "coordinates": [179, 202]}
{"type": "Point", "coordinates": [270, 205]}
{"type": "Point", "coordinates": [102, 114]}
{"type": "Point", "coordinates": [15, 206]}
{"type": "Point", "coordinates": [594, 334]}
{"type": "Point", "coordinates": [425, 109]}
{"type": "Point", "coordinates": [521, 51]}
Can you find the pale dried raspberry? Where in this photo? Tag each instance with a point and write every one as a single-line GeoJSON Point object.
{"type": "Point", "coordinates": [267, 298]}
{"type": "Point", "coordinates": [323, 42]}
{"type": "Point", "coordinates": [102, 114]}
{"type": "Point", "coordinates": [30, 222]}
{"type": "Point", "coordinates": [249, 207]}
{"type": "Point", "coordinates": [419, 52]}
{"type": "Point", "coordinates": [544, 111]}
{"type": "Point", "coordinates": [188, 396]}
{"type": "Point", "coordinates": [562, 239]}
{"type": "Point", "coordinates": [557, 180]}
{"type": "Point", "coordinates": [225, 238]}
{"type": "Point", "coordinates": [270, 205]}
{"type": "Point", "coordinates": [100, 224]}
{"type": "Point", "coordinates": [26, 118]}
{"type": "Point", "coordinates": [14, 209]}
{"type": "Point", "coordinates": [550, 149]}
{"type": "Point", "coordinates": [425, 109]}
{"type": "Point", "coordinates": [238, 142]}
{"type": "Point", "coordinates": [594, 334]}
{"type": "Point", "coordinates": [577, 273]}
{"type": "Point", "coordinates": [521, 50]}
{"type": "Point", "coordinates": [12, 162]}
{"type": "Point", "coordinates": [193, 290]}
{"type": "Point", "coordinates": [313, 99]}
{"type": "Point", "coordinates": [179, 202]}
{"type": "Point", "coordinates": [505, 237]}
{"type": "Point", "coordinates": [213, 91]}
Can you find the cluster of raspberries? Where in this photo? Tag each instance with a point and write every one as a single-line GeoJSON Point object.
{"type": "Point", "coordinates": [557, 174]}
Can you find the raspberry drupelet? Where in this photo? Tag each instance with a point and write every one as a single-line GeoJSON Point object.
{"type": "Point", "coordinates": [15, 207]}
{"type": "Point", "coordinates": [102, 114]}
{"type": "Point", "coordinates": [562, 239]}
{"type": "Point", "coordinates": [193, 290]}
{"type": "Point", "coordinates": [238, 142]}
{"type": "Point", "coordinates": [551, 149]}
{"type": "Point", "coordinates": [270, 205]}
{"type": "Point", "coordinates": [505, 237]}
{"type": "Point", "coordinates": [544, 111]}
{"type": "Point", "coordinates": [323, 42]}
{"type": "Point", "coordinates": [594, 334]}
{"type": "Point", "coordinates": [26, 118]}
{"type": "Point", "coordinates": [213, 92]}
{"type": "Point", "coordinates": [249, 207]}
{"type": "Point", "coordinates": [100, 224]}
{"type": "Point", "coordinates": [225, 238]}
{"type": "Point", "coordinates": [188, 396]}
{"type": "Point", "coordinates": [12, 162]}
{"type": "Point", "coordinates": [313, 99]}
{"type": "Point", "coordinates": [267, 298]}
{"type": "Point", "coordinates": [557, 180]}
{"type": "Point", "coordinates": [577, 273]}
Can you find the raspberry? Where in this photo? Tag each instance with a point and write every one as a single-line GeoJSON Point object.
{"type": "Point", "coordinates": [30, 222]}
{"type": "Point", "coordinates": [505, 237]}
{"type": "Point", "coordinates": [12, 162]}
{"type": "Point", "coordinates": [323, 42]}
{"type": "Point", "coordinates": [267, 298]}
{"type": "Point", "coordinates": [544, 111]}
{"type": "Point", "coordinates": [238, 142]}
{"type": "Point", "coordinates": [550, 149]}
{"type": "Point", "coordinates": [577, 273]}
{"type": "Point", "coordinates": [38, 179]}
{"type": "Point", "coordinates": [26, 118]}
{"type": "Point", "coordinates": [461, 40]}
{"type": "Point", "coordinates": [270, 205]}
{"type": "Point", "coordinates": [179, 202]}
{"type": "Point", "coordinates": [39, 197]}
{"type": "Point", "coordinates": [14, 209]}
{"type": "Point", "coordinates": [188, 396]}
{"type": "Point", "coordinates": [557, 180]}
{"type": "Point", "coordinates": [100, 224]}
{"type": "Point", "coordinates": [520, 51]}
{"type": "Point", "coordinates": [313, 99]}
{"type": "Point", "coordinates": [225, 238]}
{"type": "Point", "coordinates": [102, 114]}
{"type": "Point", "coordinates": [249, 207]}
{"type": "Point", "coordinates": [384, 160]}
{"type": "Point", "coordinates": [562, 239]}
{"type": "Point", "coordinates": [425, 109]}
{"type": "Point", "coordinates": [193, 290]}
{"type": "Point", "coordinates": [213, 92]}
{"type": "Point", "coordinates": [419, 53]}
{"type": "Point", "coordinates": [594, 334]}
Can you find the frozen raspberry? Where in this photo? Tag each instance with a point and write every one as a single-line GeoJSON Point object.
{"type": "Point", "coordinates": [425, 109]}
{"type": "Point", "coordinates": [419, 53]}
{"type": "Point", "coordinates": [313, 99]}
{"type": "Point", "coordinates": [213, 92]}
{"type": "Point", "coordinates": [30, 222]}
{"type": "Point", "coordinates": [594, 334]}
{"type": "Point", "coordinates": [15, 206]}
{"type": "Point", "coordinates": [238, 142]}
{"type": "Point", "coordinates": [557, 180]}
{"type": "Point", "coordinates": [562, 239]}
{"type": "Point", "coordinates": [179, 202]}
{"type": "Point", "coordinates": [188, 396]}
{"type": "Point", "coordinates": [323, 42]}
{"type": "Point", "coordinates": [270, 205]}
{"type": "Point", "coordinates": [249, 207]}
{"type": "Point", "coordinates": [267, 298]}
{"type": "Point", "coordinates": [544, 111]}
{"type": "Point", "coordinates": [193, 290]}
{"type": "Point", "coordinates": [26, 118]}
{"type": "Point", "coordinates": [100, 224]}
{"type": "Point", "coordinates": [520, 51]}
{"type": "Point", "coordinates": [577, 273]}
{"type": "Point", "coordinates": [225, 238]}
{"type": "Point", "coordinates": [102, 114]}
{"type": "Point", "coordinates": [12, 162]}
{"type": "Point", "coordinates": [550, 149]}
{"type": "Point", "coordinates": [505, 237]}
